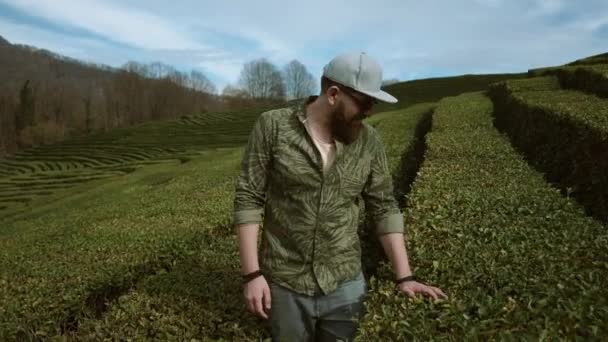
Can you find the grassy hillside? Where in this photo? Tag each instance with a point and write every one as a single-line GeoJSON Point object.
{"type": "Point", "coordinates": [503, 188]}
{"type": "Point", "coordinates": [38, 172]}
{"type": "Point", "coordinates": [601, 58]}
{"type": "Point", "coordinates": [433, 89]}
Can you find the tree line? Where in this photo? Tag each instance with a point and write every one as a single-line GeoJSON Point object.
{"type": "Point", "coordinates": [46, 97]}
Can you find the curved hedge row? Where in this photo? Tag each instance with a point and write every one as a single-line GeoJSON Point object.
{"type": "Point", "coordinates": [517, 259]}
{"type": "Point", "coordinates": [147, 143]}
{"type": "Point", "coordinates": [402, 133]}
{"type": "Point", "coordinates": [591, 79]}
{"type": "Point", "coordinates": [564, 133]}
{"type": "Point", "coordinates": [60, 264]}
{"type": "Point", "coordinates": [199, 297]}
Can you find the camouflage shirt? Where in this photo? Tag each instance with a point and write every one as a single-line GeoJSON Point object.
{"type": "Point", "coordinates": [310, 218]}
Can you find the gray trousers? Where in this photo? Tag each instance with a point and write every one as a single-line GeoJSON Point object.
{"type": "Point", "coordinates": [331, 317]}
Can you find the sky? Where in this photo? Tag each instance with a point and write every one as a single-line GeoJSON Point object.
{"type": "Point", "coordinates": [410, 39]}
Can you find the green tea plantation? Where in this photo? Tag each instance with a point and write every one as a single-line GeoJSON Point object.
{"type": "Point", "coordinates": [503, 185]}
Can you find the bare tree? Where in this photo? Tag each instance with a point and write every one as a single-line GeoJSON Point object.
{"type": "Point", "coordinates": [159, 70]}
{"type": "Point", "coordinates": [198, 81]}
{"type": "Point", "coordinates": [178, 78]}
{"type": "Point", "coordinates": [262, 80]}
{"type": "Point", "coordinates": [298, 81]}
{"type": "Point", "coordinates": [136, 67]}
{"type": "Point", "coordinates": [46, 97]}
{"type": "Point", "coordinates": [277, 88]}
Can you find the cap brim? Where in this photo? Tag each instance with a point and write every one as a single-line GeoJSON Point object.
{"type": "Point", "coordinates": [380, 95]}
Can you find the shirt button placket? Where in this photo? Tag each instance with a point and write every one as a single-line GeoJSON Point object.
{"type": "Point", "coordinates": [315, 232]}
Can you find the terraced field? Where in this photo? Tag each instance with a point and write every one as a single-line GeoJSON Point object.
{"type": "Point", "coordinates": [504, 193]}
{"type": "Point", "coordinates": [45, 170]}
{"type": "Point", "coordinates": [150, 254]}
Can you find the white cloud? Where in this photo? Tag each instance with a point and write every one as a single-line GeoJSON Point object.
{"type": "Point", "coordinates": [545, 7]}
{"type": "Point", "coordinates": [409, 38]}
{"type": "Point", "coordinates": [131, 26]}
{"type": "Point", "coordinates": [74, 47]}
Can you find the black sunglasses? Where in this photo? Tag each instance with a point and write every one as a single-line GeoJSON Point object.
{"type": "Point", "coordinates": [365, 103]}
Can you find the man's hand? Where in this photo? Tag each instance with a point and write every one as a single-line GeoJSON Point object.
{"type": "Point", "coordinates": [257, 297]}
{"type": "Point", "coordinates": [411, 288]}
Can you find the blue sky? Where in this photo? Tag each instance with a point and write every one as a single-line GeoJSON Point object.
{"type": "Point", "coordinates": [410, 39]}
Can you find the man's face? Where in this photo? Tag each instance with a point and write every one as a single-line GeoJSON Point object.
{"type": "Point", "coordinates": [350, 110]}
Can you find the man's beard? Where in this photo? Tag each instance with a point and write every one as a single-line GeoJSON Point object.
{"type": "Point", "coordinates": [342, 130]}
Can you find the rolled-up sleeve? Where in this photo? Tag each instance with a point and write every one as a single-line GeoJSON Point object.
{"type": "Point", "coordinates": [250, 192]}
{"type": "Point", "coordinates": [380, 202]}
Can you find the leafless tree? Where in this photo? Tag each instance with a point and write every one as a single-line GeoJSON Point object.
{"type": "Point", "coordinates": [298, 81]}
{"type": "Point", "coordinates": [198, 81]}
{"type": "Point", "coordinates": [46, 97]}
{"type": "Point", "coordinates": [262, 80]}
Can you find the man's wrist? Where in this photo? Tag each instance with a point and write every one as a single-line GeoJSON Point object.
{"type": "Point", "coordinates": [410, 277]}
{"type": "Point", "coordinates": [252, 275]}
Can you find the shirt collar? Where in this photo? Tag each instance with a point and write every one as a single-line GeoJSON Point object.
{"type": "Point", "coordinates": [299, 109]}
{"type": "Point", "coordinates": [300, 106]}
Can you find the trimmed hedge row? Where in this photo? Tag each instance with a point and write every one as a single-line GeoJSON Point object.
{"type": "Point", "coordinates": [151, 142]}
{"type": "Point", "coordinates": [564, 134]}
{"type": "Point", "coordinates": [590, 79]}
{"type": "Point", "coordinates": [201, 297]}
{"type": "Point", "coordinates": [61, 264]}
{"type": "Point", "coordinates": [539, 83]}
{"type": "Point", "coordinates": [402, 133]}
{"type": "Point", "coordinates": [517, 259]}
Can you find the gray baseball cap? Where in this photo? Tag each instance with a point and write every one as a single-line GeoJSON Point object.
{"type": "Point", "coordinates": [360, 72]}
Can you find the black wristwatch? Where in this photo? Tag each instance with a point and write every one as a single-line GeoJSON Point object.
{"type": "Point", "coordinates": [249, 277]}
{"type": "Point", "coordinates": [404, 279]}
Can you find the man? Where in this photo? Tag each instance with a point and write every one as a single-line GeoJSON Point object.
{"type": "Point", "coordinates": [303, 170]}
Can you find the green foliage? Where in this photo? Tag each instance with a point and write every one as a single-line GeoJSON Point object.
{"type": "Point", "coordinates": [564, 133]}
{"type": "Point", "coordinates": [517, 260]}
{"type": "Point", "coordinates": [591, 79]}
{"type": "Point", "coordinates": [402, 133]}
{"type": "Point", "coordinates": [96, 246]}
{"type": "Point", "coordinates": [97, 156]}
{"type": "Point", "coordinates": [530, 84]}
{"type": "Point", "coordinates": [83, 260]}
{"type": "Point", "coordinates": [433, 89]}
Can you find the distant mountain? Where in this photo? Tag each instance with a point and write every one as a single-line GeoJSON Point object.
{"type": "Point", "coordinates": [595, 59]}
{"type": "Point", "coordinates": [433, 89]}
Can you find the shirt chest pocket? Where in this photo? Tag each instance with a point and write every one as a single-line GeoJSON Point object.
{"type": "Point", "coordinates": [292, 169]}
